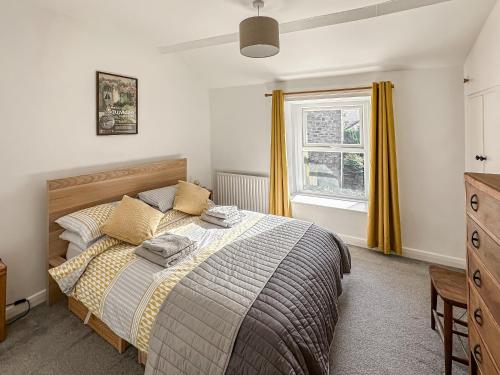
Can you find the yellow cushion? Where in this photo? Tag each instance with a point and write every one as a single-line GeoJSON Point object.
{"type": "Point", "coordinates": [191, 199]}
{"type": "Point", "coordinates": [133, 221]}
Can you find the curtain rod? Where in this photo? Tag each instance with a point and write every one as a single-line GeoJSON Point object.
{"type": "Point", "coordinates": [345, 89]}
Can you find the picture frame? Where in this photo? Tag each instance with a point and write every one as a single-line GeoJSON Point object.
{"type": "Point", "coordinates": [117, 104]}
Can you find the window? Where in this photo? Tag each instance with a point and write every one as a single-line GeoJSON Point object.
{"type": "Point", "coordinates": [328, 148]}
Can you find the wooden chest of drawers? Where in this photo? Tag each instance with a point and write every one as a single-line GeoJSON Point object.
{"type": "Point", "coordinates": [483, 271]}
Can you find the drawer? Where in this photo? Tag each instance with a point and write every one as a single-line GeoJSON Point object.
{"type": "Point", "coordinates": [487, 250]}
{"type": "Point", "coordinates": [79, 309]}
{"type": "Point", "coordinates": [484, 284]}
{"type": "Point", "coordinates": [483, 321]}
{"type": "Point", "coordinates": [480, 353]}
{"type": "Point", "coordinates": [484, 208]}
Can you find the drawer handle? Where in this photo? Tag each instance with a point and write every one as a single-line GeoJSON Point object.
{"type": "Point", "coordinates": [475, 239]}
{"type": "Point", "coordinates": [477, 353]}
{"type": "Point", "coordinates": [474, 202]}
{"type": "Point", "coordinates": [478, 316]}
{"type": "Point", "coordinates": [476, 276]}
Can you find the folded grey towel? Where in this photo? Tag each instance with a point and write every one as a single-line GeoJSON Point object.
{"type": "Point", "coordinates": [167, 244]}
{"type": "Point", "coordinates": [223, 212]}
{"type": "Point", "coordinates": [227, 223]}
{"type": "Point", "coordinates": [164, 261]}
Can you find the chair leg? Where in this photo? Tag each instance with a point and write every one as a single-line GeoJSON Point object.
{"type": "Point", "coordinates": [448, 337]}
{"type": "Point", "coordinates": [433, 305]}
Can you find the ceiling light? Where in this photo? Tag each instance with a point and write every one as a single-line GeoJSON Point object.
{"type": "Point", "coordinates": [259, 36]}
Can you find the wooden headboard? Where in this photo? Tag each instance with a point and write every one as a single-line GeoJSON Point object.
{"type": "Point", "coordinates": [71, 194]}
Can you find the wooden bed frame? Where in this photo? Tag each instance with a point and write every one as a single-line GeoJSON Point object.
{"type": "Point", "coordinates": [71, 194]}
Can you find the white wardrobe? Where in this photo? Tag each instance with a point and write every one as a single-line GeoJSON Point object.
{"type": "Point", "coordinates": [482, 131]}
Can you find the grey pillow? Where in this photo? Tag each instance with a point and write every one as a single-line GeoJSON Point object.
{"type": "Point", "coordinates": [162, 198]}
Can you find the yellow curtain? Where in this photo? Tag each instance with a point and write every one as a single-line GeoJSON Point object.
{"type": "Point", "coordinates": [279, 198]}
{"type": "Point", "coordinates": [384, 227]}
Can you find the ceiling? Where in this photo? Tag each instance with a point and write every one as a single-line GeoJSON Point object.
{"type": "Point", "coordinates": [166, 22]}
{"type": "Point", "coordinates": [435, 35]}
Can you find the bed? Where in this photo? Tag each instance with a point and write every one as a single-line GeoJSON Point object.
{"type": "Point", "coordinates": [258, 298]}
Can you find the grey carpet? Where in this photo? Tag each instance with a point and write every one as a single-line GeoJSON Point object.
{"type": "Point", "coordinates": [383, 329]}
{"type": "Point", "coordinates": [384, 325]}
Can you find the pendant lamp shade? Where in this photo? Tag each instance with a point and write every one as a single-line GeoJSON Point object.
{"type": "Point", "coordinates": [259, 37]}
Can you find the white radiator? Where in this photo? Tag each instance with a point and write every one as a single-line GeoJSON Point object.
{"type": "Point", "coordinates": [247, 192]}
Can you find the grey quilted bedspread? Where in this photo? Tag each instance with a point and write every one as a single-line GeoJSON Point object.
{"type": "Point", "coordinates": [264, 304]}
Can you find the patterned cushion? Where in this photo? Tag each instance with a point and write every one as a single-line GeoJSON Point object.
{"type": "Point", "coordinates": [163, 198]}
{"type": "Point", "coordinates": [133, 221]}
{"type": "Point", "coordinates": [87, 222]}
{"type": "Point", "coordinates": [191, 199]}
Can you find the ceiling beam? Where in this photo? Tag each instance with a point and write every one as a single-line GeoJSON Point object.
{"type": "Point", "coordinates": [371, 11]}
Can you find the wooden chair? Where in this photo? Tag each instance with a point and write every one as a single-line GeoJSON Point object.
{"type": "Point", "coordinates": [451, 286]}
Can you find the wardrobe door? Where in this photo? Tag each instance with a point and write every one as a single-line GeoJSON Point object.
{"type": "Point", "coordinates": [492, 131]}
{"type": "Point", "coordinates": [474, 134]}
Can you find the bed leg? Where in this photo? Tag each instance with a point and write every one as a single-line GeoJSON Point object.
{"type": "Point", "coordinates": [142, 357]}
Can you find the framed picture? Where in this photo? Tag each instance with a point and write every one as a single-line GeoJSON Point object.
{"type": "Point", "coordinates": [116, 105]}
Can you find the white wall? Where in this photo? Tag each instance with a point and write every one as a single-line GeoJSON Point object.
{"type": "Point", "coordinates": [47, 112]}
{"type": "Point", "coordinates": [240, 129]}
{"type": "Point", "coordinates": [482, 66]}
{"type": "Point", "coordinates": [430, 137]}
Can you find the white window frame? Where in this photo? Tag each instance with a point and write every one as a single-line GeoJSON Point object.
{"type": "Point", "coordinates": [296, 111]}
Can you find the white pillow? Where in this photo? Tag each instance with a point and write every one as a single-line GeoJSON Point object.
{"type": "Point", "coordinates": [162, 198]}
{"type": "Point", "coordinates": [73, 251]}
{"type": "Point", "coordinates": [76, 239]}
{"type": "Point", "coordinates": [87, 222]}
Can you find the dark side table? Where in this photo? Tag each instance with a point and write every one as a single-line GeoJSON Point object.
{"type": "Point", "coordinates": [3, 294]}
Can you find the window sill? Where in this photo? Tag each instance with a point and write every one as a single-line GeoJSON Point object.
{"type": "Point", "coordinates": [357, 206]}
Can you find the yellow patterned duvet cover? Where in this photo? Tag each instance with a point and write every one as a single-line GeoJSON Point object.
{"type": "Point", "coordinates": [126, 291]}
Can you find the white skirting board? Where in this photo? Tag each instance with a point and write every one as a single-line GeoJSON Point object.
{"type": "Point", "coordinates": [423, 255]}
{"type": "Point", "coordinates": [35, 300]}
